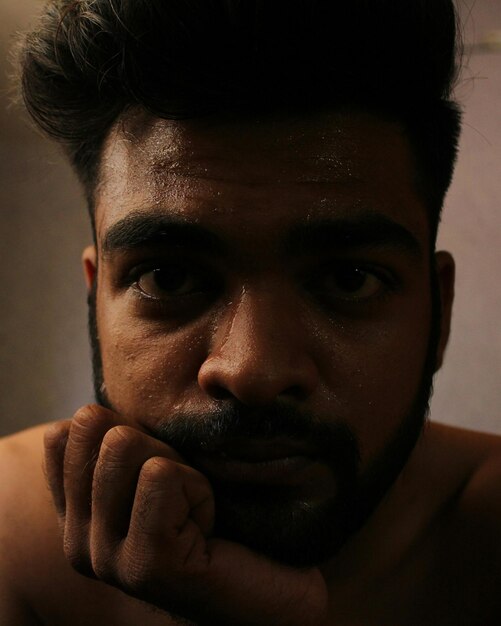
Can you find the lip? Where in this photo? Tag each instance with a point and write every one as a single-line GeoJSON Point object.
{"type": "Point", "coordinates": [256, 450]}
{"type": "Point", "coordinates": [270, 462]}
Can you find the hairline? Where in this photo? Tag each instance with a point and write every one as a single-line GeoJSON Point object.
{"type": "Point", "coordinates": [142, 116]}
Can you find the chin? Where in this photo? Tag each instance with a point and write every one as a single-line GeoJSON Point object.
{"type": "Point", "coordinates": [273, 522]}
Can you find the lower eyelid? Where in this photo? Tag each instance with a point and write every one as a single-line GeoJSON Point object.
{"type": "Point", "coordinates": [182, 305]}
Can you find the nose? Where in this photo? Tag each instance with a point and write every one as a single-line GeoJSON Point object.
{"type": "Point", "coordinates": [259, 353]}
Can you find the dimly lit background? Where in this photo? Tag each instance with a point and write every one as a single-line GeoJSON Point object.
{"type": "Point", "coordinates": [44, 354]}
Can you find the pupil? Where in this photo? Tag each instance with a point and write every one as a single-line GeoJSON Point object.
{"type": "Point", "coordinates": [170, 279]}
{"type": "Point", "coordinates": [350, 279]}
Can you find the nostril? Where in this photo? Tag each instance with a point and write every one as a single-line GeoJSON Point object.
{"type": "Point", "coordinates": [223, 383]}
{"type": "Point", "coordinates": [297, 392]}
{"type": "Point", "coordinates": [259, 372]}
{"type": "Point", "coordinates": [217, 392]}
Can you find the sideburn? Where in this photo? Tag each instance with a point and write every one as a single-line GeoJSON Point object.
{"type": "Point", "coordinates": [95, 346]}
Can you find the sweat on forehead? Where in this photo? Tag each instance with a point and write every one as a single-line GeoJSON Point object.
{"type": "Point", "coordinates": [234, 163]}
{"type": "Point", "coordinates": [138, 136]}
{"type": "Point", "coordinates": [323, 142]}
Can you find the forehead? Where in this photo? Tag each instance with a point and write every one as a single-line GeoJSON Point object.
{"type": "Point", "coordinates": [266, 171]}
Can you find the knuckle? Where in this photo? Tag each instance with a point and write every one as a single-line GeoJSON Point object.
{"type": "Point", "coordinates": [55, 435]}
{"type": "Point", "coordinates": [146, 503]}
{"type": "Point", "coordinates": [119, 441]}
{"type": "Point", "coordinates": [88, 414]}
{"type": "Point", "coordinates": [158, 469]}
{"type": "Point", "coordinates": [158, 480]}
{"type": "Point", "coordinates": [85, 426]}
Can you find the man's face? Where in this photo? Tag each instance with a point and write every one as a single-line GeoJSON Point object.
{"type": "Point", "coordinates": [264, 304]}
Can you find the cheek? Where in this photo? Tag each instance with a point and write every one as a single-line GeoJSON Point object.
{"type": "Point", "coordinates": [370, 370]}
{"type": "Point", "coordinates": [148, 371]}
{"type": "Point", "coordinates": [373, 373]}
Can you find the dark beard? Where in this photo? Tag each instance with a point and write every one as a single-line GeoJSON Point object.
{"type": "Point", "coordinates": [272, 519]}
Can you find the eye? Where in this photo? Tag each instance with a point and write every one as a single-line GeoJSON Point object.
{"type": "Point", "coordinates": [350, 282]}
{"type": "Point", "coordinates": [169, 282]}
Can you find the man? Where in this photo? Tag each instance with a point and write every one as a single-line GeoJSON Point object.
{"type": "Point", "coordinates": [267, 311]}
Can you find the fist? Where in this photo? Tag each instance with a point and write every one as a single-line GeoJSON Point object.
{"type": "Point", "coordinates": [134, 515]}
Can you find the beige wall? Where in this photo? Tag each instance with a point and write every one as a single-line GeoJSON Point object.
{"type": "Point", "coordinates": [468, 389]}
{"type": "Point", "coordinates": [44, 357]}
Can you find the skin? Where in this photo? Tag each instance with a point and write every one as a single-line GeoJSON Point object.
{"type": "Point", "coordinates": [136, 519]}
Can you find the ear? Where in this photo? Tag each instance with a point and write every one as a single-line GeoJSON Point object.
{"type": "Point", "coordinates": [446, 272]}
{"type": "Point", "coordinates": [89, 261]}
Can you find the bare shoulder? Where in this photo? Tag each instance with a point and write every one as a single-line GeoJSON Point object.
{"type": "Point", "coordinates": [467, 548]}
{"type": "Point", "coordinates": [481, 496]}
{"type": "Point", "coordinates": [22, 489]}
{"type": "Point", "coordinates": [459, 471]}
{"type": "Point", "coordinates": [475, 459]}
{"type": "Point", "coordinates": [25, 514]}
{"type": "Point", "coordinates": [478, 453]}
{"type": "Point", "coordinates": [23, 447]}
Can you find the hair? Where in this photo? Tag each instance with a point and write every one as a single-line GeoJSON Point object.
{"type": "Point", "coordinates": [91, 61]}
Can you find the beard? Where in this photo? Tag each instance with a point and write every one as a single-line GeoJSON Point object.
{"type": "Point", "coordinates": [272, 519]}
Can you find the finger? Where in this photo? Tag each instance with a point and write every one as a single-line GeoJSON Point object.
{"type": "Point", "coordinates": [167, 561]}
{"type": "Point", "coordinates": [55, 440]}
{"type": "Point", "coordinates": [168, 495]}
{"type": "Point", "coordinates": [173, 510]}
{"type": "Point", "coordinates": [88, 427]}
{"type": "Point", "coordinates": [123, 452]}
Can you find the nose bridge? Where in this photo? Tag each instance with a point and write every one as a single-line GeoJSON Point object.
{"type": "Point", "coordinates": [259, 350]}
{"type": "Point", "coordinates": [258, 322]}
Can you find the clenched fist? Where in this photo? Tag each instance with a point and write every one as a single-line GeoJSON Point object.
{"type": "Point", "coordinates": [136, 516]}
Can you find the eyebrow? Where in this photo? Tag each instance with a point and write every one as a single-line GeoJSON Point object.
{"type": "Point", "coordinates": [369, 230]}
{"type": "Point", "coordinates": [363, 231]}
{"type": "Point", "coordinates": [139, 230]}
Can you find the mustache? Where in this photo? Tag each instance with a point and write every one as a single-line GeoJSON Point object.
{"type": "Point", "coordinates": [332, 440]}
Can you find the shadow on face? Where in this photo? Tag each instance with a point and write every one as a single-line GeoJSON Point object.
{"type": "Point", "coordinates": [264, 293]}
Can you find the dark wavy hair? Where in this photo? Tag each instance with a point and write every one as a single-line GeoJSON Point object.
{"type": "Point", "coordinates": [89, 61]}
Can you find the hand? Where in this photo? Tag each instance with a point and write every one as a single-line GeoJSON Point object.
{"type": "Point", "coordinates": [136, 516]}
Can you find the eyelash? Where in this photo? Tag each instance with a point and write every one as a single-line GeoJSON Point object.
{"type": "Point", "coordinates": [202, 276]}
{"type": "Point", "coordinates": [214, 286]}
{"type": "Point", "coordinates": [380, 283]}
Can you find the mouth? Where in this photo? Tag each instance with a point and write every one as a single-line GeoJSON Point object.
{"type": "Point", "coordinates": [276, 462]}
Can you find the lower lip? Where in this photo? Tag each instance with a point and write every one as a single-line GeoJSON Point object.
{"type": "Point", "coordinates": [290, 470]}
